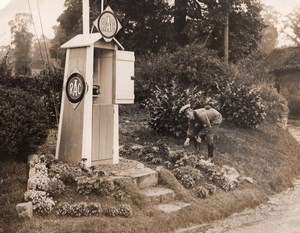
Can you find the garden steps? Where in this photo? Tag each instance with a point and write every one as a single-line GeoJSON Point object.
{"type": "Point", "coordinates": [143, 177]}
{"type": "Point", "coordinates": [158, 194]}
{"type": "Point", "coordinates": [146, 179]}
{"type": "Point", "coordinates": [173, 206]}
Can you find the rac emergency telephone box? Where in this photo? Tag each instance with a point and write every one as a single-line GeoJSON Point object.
{"type": "Point", "coordinates": [98, 76]}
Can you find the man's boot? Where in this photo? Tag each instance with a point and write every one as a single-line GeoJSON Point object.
{"type": "Point", "coordinates": [197, 146]}
{"type": "Point", "coordinates": [210, 149]}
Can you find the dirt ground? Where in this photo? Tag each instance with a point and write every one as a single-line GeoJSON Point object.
{"type": "Point", "coordinates": [280, 214]}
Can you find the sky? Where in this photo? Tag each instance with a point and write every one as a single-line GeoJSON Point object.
{"type": "Point", "coordinates": [51, 9]}
{"type": "Point", "coordinates": [283, 6]}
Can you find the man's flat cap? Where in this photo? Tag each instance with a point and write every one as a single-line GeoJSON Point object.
{"type": "Point", "coordinates": [184, 108]}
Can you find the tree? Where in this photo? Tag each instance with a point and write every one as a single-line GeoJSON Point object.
{"type": "Point", "coordinates": [148, 26]}
{"type": "Point", "coordinates": [22, 41]}
{"type": "Point", "coordinates": [5, 66]}
{"type": "Point", "coordinates": [245, 26]}
{"type": "Point", "coordinates": [294, 23]}
{"type": "Point", "coordinates": [180, 20]}
{"type": "Point", "coordinates": [40, 54]}
{"type": "Point", "coordinates": [145, 24]}
{"type": "Point", "coordinates": [270, 33]}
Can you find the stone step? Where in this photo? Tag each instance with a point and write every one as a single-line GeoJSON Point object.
{"type": "Point", "coordinates": [172, 206]}
{"type": "Point", "coordinates": [158, 194]}
{"type": "Point", "coordinates": [142, 177]}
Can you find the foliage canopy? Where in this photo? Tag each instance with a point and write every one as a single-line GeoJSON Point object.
{"type": "Point", "coordinates": [148, 26]}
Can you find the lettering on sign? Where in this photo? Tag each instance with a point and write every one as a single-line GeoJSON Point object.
{"type": "Point", "coordinates": [108, 24]}
{"type": "Point", "coordinates": [75, 88]}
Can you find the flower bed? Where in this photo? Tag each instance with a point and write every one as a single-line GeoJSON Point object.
{"type": "Point", "coordinates": [192, 171]}
{"type": "Point", "coordinates": [60, 188]}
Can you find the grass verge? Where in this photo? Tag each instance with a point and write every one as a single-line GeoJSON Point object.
{"type": "Point", "coordinates": [269, 155]}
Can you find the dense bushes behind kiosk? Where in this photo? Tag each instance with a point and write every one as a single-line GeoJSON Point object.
{"type": "Point", "coordinates": [47, 86]}
{"type": "Point", "coordinates": [190, 66]}
{"type": "Point", "coordinates": [29, 106]}
{"type": "Point", "coordinates": [164, 82]}
{"type": "Point", "coordinates": [24, 122]}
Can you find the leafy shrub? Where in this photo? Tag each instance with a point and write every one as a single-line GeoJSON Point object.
{"type": "Point", "coordinates": [168, 165]}
{"type": "Point", "coordinates": [46, 87]}
{"type": "Point", "coordinates": [190, 66]}
{"type": "Point", "coordinates": [48, 159]}
{"type": "Point", "coordinates": [24, 122]}
{"type": "Point", "coordinates": [157, 160]}
{"type": "Point", "coordinates": [243, 106]}
{"type": "Point", "coordinates": [55, 186]}
{"type": "Point", "coordinates": [102, 186]}
{"type": "Point", "coordinates": [5, 67]}
{"type": "Point", "coordinates": [175, 155]}
{"type": "Point", "coordinates": [164, 105]}
{"type": "Point", "coordinates": [67, 172]}
{"type": "Point", "coordinates": [79, 209]}
{"type": "Point", "coordinates": [112, 212]}
{"type": "Point", "coordinates": [188, 176]}
{"type": "Point", "coordinates": [106, 186]}
{"type": "Point", "coordinates": [119, 195]}
{"type": "Point", "coordinates": [202, 192]}
{"type": "Point", "coordinates": [253, 70]}
{"type": "Point", "coordinates": [64, 208]}
{"type": "Point", "coordinates": [225, 183]}
{"type": "Point", "coordinates": [51, 184]}
{"type": "Point", "coordinates": [41, 202]}
{"type": "Point", "coordinates": [276, 105]}
{"type": "Point", "coordinates": [123, 210]}
{"type": "Point", "coordinates": [211, 189]}
{"type": "Point", "coordinates": [150, 71]}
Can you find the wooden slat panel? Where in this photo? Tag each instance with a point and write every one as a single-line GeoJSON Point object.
{"type": "Point", "coordinates": [72, 122]}
{"type": "Point", "coordinates": [124, 85]}
{"type": "Point", "coordinates": [103, 130]}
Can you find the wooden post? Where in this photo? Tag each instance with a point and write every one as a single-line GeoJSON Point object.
{"type": "Point", "coordinates": [226, 39]}
{"type": "Point", "coordinates": [86, 16]}
{"type": "Point", "coordinates": [102, 6]}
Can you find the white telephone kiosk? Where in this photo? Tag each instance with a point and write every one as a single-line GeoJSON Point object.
{"type": "Point", "coordinates": [98, 76]}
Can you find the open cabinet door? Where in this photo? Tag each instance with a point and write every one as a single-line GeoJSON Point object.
{"type": "Point", "coordinates": [124, 83]}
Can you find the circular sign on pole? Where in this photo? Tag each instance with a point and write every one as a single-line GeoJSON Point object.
{"type": "Point", "coordinates": [108, 24]}
{"type": "Point", "coordinates": [75, 88]}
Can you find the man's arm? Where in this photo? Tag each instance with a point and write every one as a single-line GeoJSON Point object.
{"type": "Point", "coordinates": [190, 132]}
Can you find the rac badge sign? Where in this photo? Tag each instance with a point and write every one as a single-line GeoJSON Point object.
{"type": "Point", "coordinates": [75, 88]}
{"type": "Point", "coordinates": [107, 24]}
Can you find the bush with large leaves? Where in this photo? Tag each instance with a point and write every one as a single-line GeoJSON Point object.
{"type": "Point", "coordinates": [164, 105]}
{"type": "Point", "coordinates": [190, 66]}
{"type": "Point", "coordinates": [47, 86]}
{"type": "Point", "coordinates": [190, 75]}
{"type": "Point", "coordinates": [23, 122]}
{"type": "Point", "coordinates": [243, 106]}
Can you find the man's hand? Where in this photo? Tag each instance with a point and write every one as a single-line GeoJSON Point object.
{"type": "Point", "coordinates": [187, 142]}
{"type": "Point", "coordinates": [198, 139]}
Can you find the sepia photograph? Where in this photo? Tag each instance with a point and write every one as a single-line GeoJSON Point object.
{"type": "Point", "coordinates": [161, 116]}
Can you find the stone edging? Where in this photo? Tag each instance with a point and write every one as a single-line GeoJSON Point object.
{"type": "Point", "coordinates": [25, 209]}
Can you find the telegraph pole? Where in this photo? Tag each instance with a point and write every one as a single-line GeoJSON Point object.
{"type": "Point", "coordinates": [226, 39]}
